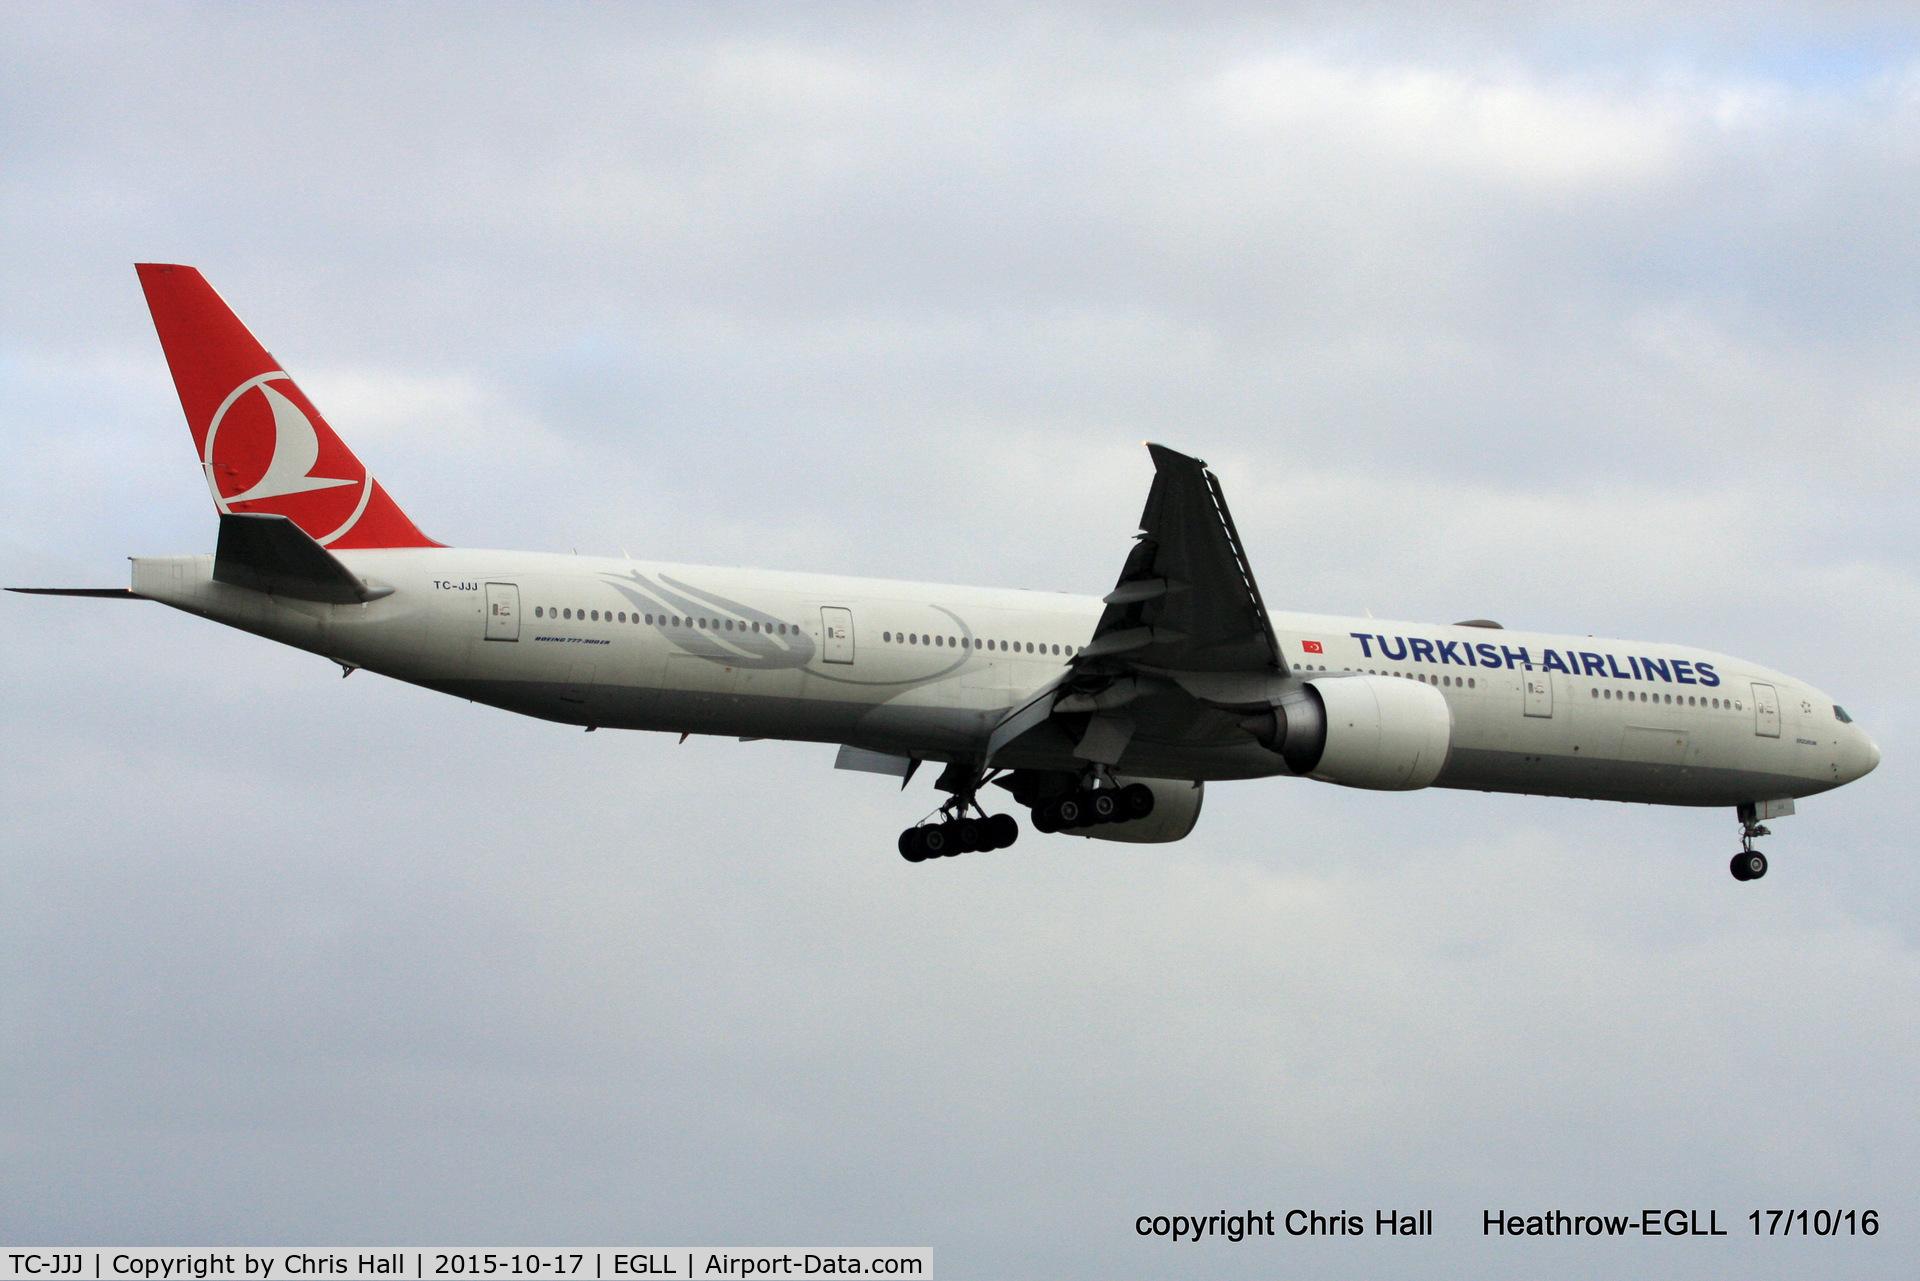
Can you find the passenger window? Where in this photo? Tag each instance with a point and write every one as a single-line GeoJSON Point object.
{"type": "Point", "coordinates": [1470, 684]}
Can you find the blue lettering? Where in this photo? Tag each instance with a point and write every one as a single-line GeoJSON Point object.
{"type": "Point", "coordinates": [1655, 667]}
{"type": "Point", "coordinates": [1366, 650]}
{"type": "Point", "coordinates": [1511, 654]}
{"type": "Point", "coordinates": [1683, 672]}
{"type": "Point", "coordinates": [1614, 670]}
{"type": "Point", "coordinates": [1449, 651]}
{"type": "Point", "coordinates": [1551, 663]}
{"type": "Point", "coordinates": [1387, 653]}
{"type": "Point", "coordinates": [1489, 656]}
{"type": "Point", "coordinates": [1422, 649]}
{"type": "Point", "coordinates": [1592, 663]}
{"type": "Point", "coordinates": [1634, 663]}
{"type": "Point", "coordinates": [1707, 675]}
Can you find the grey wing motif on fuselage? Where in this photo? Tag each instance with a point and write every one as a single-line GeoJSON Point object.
{"type": "Point", "coordinates": [754, 641]}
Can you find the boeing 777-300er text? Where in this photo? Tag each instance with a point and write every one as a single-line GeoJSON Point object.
{"type": "Point", "coordinates": [1104, 717]}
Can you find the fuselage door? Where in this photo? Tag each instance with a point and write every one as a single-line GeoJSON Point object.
{"type": "Point", "coordinates": [1539, 688]}
{"type": "Point", "coordinates": [1766, 711]}
{"type": "Point", "coordinates": [836, 630]}
{"type": "Point", "coordinates": [503, 612]}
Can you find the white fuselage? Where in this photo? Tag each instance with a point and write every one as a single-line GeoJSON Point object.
{"type": "Point", "coordinates": [926, 671]}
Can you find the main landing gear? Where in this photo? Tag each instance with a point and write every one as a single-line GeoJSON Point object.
{"type": "Point", "coordinates": [1060, 802]}
{"type": "Point", "coordinates": [1091, 806]}
{"type": "Point", "coordinates": [964, 827]}
{"type": "Point", "coordinates": [958, 836]}
{"type": "Point", "coordinates": [1749, 864]}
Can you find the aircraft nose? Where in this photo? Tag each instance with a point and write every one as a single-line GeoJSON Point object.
{"type": "Point", "coordinates": [1873, 754]}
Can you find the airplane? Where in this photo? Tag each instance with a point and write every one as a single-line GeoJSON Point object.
{"type": "Point", "coordinates": [1103, 717]}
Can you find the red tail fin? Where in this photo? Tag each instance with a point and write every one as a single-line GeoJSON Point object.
{"type": "Point", "coordinates": [264, 446]}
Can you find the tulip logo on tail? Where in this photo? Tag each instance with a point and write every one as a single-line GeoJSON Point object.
{"type": "Point", "coordinates": [262, 455]}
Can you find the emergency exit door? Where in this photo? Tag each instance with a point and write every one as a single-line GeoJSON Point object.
{"type": "Point", "coordinates": [1766, 711]}
{"type": "Point", "coordinates": [503, 612]}
{"type": "Point", "coordinates": [836, 629]}
{"type": "Point", "coordinates": [1539, 688]}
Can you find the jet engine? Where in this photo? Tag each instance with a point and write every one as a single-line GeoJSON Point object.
{"type": "Point", "coordinates": [1381, 732]}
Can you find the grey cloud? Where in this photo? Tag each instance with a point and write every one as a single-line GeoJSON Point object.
{"type": "Point", "coordinates": [1596, 322]}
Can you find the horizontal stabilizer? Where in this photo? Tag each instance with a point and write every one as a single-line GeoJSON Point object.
{"type": "Point", "coordinates": [266, 553]}
{"type": "Point", "coordinates": [110, 593]}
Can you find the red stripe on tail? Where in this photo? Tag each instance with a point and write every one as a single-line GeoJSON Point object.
{"type": "Point", "coordinates": [263, 445]}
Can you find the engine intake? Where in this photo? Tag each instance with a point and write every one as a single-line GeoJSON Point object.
{"type": "Point", "coordinates": [1295, 727]}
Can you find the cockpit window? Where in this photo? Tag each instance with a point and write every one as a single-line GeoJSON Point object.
{"type": "Point", "coordinates": [1840, 714]}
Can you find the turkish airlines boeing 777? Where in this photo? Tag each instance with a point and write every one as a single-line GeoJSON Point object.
{"type": "Point", "coordinates": [1104, 717]}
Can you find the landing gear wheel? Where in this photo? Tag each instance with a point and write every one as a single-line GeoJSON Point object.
{"type": "Point", "coordinates": [1102, 806]}
{"type": "Point", "coordinates": [1043, 820]}
{"type": "Point", "coordinates": [937, 841]}
{"type": "Point", "coordinates": [967, 836]}
{"type": "Point", "coordinates": [1749, 865]}
{"type": "Point", "coordinates": [1003, 830]}
{"type": "Point", "coordinates": [1136, 800]}
{"type": "Point", "coordinates": [913, 845]}
{"type": "Point", "coordinates": [1068, 811]}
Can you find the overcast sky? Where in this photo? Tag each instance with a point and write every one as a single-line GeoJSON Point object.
{"type": "Point", "coordinates": [1604, 323]}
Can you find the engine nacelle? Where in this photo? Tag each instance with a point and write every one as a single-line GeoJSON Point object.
{"type": "Point", "coordinates": [1176, 808]}
{"type": "Point", "coordinates": [1382, 732]}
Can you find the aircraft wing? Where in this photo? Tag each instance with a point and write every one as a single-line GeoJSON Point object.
{"type": "Point", "coordinates": [1182, 655]}
{"type": "Point", "coordinates": [1186, 598]}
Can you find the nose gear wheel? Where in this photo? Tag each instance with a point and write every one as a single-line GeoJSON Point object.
{"type": "Point", "coordinates": [1749, 864]}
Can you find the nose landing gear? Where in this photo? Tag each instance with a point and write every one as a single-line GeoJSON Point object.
{"type": "Point", "coordinates": [1749, 864]}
